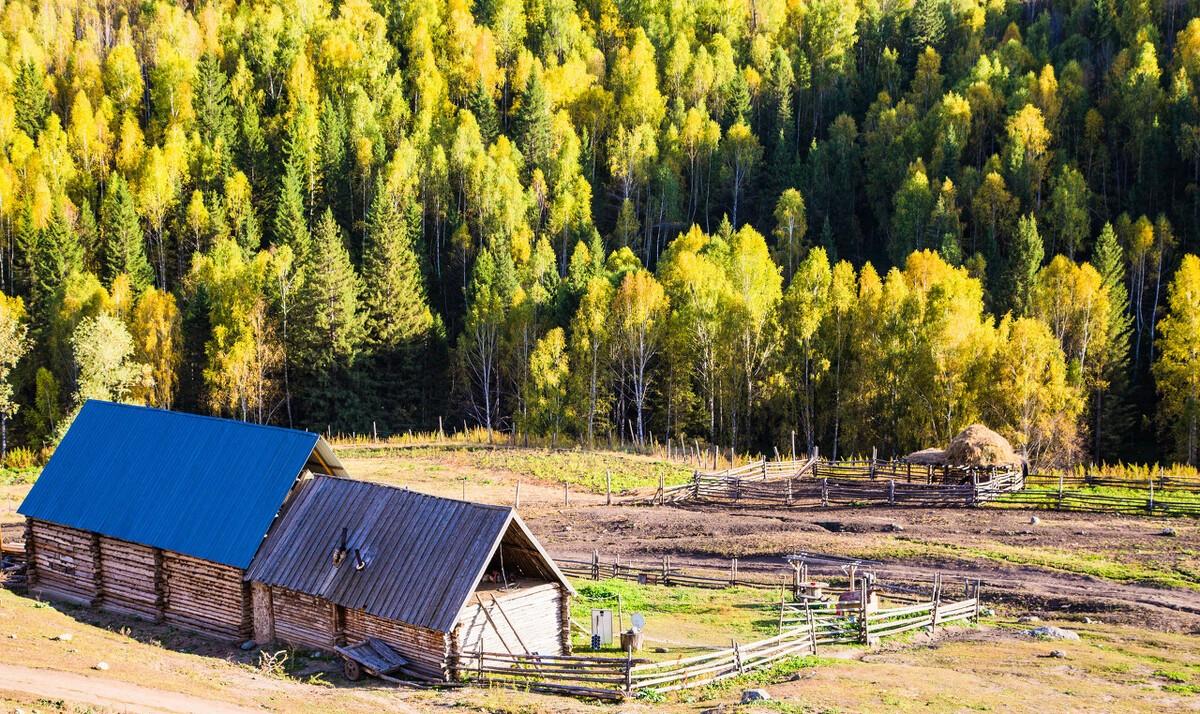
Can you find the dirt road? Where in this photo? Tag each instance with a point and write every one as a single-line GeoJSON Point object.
{"type": "Point", "coordinates": [98, 691]}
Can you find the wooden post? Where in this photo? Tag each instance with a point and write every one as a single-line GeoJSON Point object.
{"type": "Point", "coordinates": [793, 444]}
{"type": "Point", "coordinates": [1152, 492]}
{"type": "Point", "coordinates": [629, 672]}
{"type": "Point", "coordinates": [608, 487]}
{"type": "Point", "coordinates": [937, 600]}
{"type": "Point", "coordinates": [1060, 490]}
{"type": "Point", "coordinates": [595, 564]}
{"type": "Point", "coordinates": [566, 495]}
{"type": "Point", "coordinates": [891, 492]}
{"type": "Point", "coordinates": [441, 432]}
{"type": "Point", "coordinates": [662, 489]}
{"type": "Point", "coordinates": [812, 626]}
{"type": "Point", "coordinates": [666, 569]}
{"type": "Point", "coordinates": [780, 611]}
{"type": "Point", "coordinates": [517, 496]}
{"type": "Point", "coordinates": [977, 588]}
{"type": "Point", "coordinates": [737, 657]}
{"type": "Point", "coordinates": [863, 595]}
{"type": "Point", "coordinates": [824, 492]}
{"type": "Point", "coordinates": [374, 432]}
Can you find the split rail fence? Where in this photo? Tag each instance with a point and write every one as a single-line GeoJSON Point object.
{"type": "Point", "coordinates": [803, 628]}
{"type": "Point", "coordinates": [818, 482]}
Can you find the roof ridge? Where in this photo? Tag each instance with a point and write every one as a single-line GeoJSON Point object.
{"type": "Point", "coordinates": [207, 417]}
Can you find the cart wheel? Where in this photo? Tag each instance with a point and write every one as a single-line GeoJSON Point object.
{"type": "Point", "coordinates": [351, 669]}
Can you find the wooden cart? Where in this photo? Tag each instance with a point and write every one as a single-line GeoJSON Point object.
{"type": "Point", "coordinates": [375, 657]}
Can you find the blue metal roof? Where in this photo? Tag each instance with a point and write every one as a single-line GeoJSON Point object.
{"type": "Point", "coordinates": [192, 484]}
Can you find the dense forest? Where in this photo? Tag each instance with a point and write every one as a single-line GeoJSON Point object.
{"type": "Point", "coordinates": [871, 222]}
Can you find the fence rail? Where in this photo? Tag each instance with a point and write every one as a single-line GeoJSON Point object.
{"type": "Point", "coordinates": [870, 482]}
{"type": "Point", "coordinates": [803, 628]}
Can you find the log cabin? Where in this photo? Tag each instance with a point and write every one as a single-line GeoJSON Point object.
{"type": "Point", "coordinates": [437, 579]}
{"type": "Point", "coordinates": [157, 514]}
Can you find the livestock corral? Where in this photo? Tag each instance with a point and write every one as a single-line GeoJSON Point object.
{"type": "Point", "coordinates": [851, 602]}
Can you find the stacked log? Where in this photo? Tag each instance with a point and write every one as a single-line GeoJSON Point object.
{"type": "Point", "coordinates": [127, 578]}
{"type": "Point", "coordinates": [206, 597]}
{"type": "Point", "coordinates": [303, 620]}
{"type": "Point", "coordinates": [427, 651]}
{"type": "Point", "coordinates": [64, 563]}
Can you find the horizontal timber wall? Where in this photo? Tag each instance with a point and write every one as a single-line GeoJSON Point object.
{"type": "Point", "coordinates": [132, 579]}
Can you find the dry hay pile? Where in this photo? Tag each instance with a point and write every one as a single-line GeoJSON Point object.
{"type": "Point", "coordinates": [978, 445]}
{"type": "Point", "coordinates": [927, 457]}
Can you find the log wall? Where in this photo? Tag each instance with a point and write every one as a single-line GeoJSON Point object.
{"type": "Point", "coordinates": [427, 651]}
{"type": "Point", "coordinates": [129, 578]}
{"type": "Point", "coordinates": [303, 620]}
{"type": "Point", "coordinates": [64, 563]}
{"type": "Point", "coordinates": [206, 597]}
{"type": "Point", "coordinates": [527, 620]}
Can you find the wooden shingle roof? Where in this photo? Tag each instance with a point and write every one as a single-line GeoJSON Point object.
{"type": "Point", "coordinates": [422, 556]}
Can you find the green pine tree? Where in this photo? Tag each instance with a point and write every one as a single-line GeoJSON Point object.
{"type": "Point", "coordinates": [533, 124]}
{"type": "Point", "coordinates": [291, 227]}
{"type": "Point", "coordinates": [1027, 254]}
{"type": "Point", "coordinates": [328, 331]}
{"type": "Point", "coordinates": [124, 247]}
{"type": "Point", "coordinates": [482, 105]}
{"type": "Point", "coordinates": [1111, 413]}
{"type": "Point", "coordinates": [214, 117]}
{"type": "Point", "coordinates": [31, 101]}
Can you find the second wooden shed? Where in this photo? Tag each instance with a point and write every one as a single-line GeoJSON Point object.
{"type": "Point", "coordinates": [437, 579]}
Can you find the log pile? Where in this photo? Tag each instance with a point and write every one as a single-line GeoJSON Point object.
{"type": "Point", "coordinates": [206, 597]}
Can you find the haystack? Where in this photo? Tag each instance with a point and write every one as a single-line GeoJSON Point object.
{"type": "Point", "coordinates": [978, 445]}
{"type": "Point", "coordinates": [927, 457]}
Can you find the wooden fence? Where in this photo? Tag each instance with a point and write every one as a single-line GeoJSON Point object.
{"type": "Point", "coordinates": [803, 628]}
{"type": "Point", "coordinates": [668, 574]}
{"type": "Point", "coordinates": [816, 482]}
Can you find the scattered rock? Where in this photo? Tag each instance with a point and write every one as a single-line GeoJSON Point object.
{"type": "Point", "coordinates": [1028, 619]}
{"type": "Point", "coordinates": [1087, 620]}
{"type": "Point", "coordinates": [64, 637]}
{"type": "Point", "coordinates": [719, 709]}
{"type": "Point", "coordinates": [755, 695]}
{"type": "Point", "coordinates": [1034, 520]}
{"type": "Point", "coordinates": [101, 666]}
{"type": "Point", "coordinates": [1058, 654]}
{"type": "Point", "coordinates": [895, 527]}
{"type": "Point", "coordinates": [1050, 632]}
{"type": "Point", "coordinates": [1168, 532]}
{"type": "Point", "coordinates": [248, 645]}
{"type": "Point", "coordinates": [661, 650]}
{"type": "Point", "coordinates": [315, 654]}
{"type": "Point", "coordinates": [987, 612]}
{"type": "Point", "coordinates": [12, 636]}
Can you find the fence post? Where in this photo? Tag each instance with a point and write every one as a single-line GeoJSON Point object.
{"type": "Point", "coordinates": [863, 594]}
{"type": "Point", "coordinates": [566, 496]}
{"type": "Point", "coordinates": [937, 600]}
{"type": "Point", "coordinates": [871, 467]}
{"type": "Point", "coordinates": [595, 565]}
{"type": "Point", "coordinates": [1152, 489]}
{"type": "Point", "coordinates": [977, 588]}
{"type": "Point", "coordinates": [1060, 490]}
{"type": "Point", "coordinates": [666, 569]}
{"type": "Point", "coordinates": [662, 489]}
{"type": "Point", "coordinates": [824, 492]}
{"type": "Point", "coordinates": [629, 672]}
{"type": "Point", "coordinates": [781, 611]}
{"type": "Point", "coordinates": [737, 657]}
{"type": "Point", "coordinates": [789, 491]}
{"type": "Point", "coordinates": [696, 485]}
{"type": "Point", "coordinates": [608, 487]}
{"type": "Point", "coordinates": [517, 496]}
{"type": "Point", "coordinates": [812, 626]}
{"type": "Point", "coordinates": [891, 492]}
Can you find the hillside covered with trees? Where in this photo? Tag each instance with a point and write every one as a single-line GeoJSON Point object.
{"type": "Point", "coordinates": [869, 222]}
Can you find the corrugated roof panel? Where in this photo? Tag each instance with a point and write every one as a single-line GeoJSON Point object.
{"type": "Point", "coordinates": [192, 484]}
{"type": "Point", "coordinates": [424, 554]}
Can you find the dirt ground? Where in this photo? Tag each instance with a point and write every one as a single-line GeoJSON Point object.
{"type": "Point", "coordinates": [1130, 590]}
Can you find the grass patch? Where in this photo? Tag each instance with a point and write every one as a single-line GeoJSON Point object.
{"type": "Point", "coordinates": [18, 477]}
{"type": "Point", "coordinates": [1042, 497]}
{"type": "Point", "coordinates": [585, 469]}
{"type": "Point", "coordinates": [682, 618]}
{"type": "Point", "coordinates": [1068, 561]}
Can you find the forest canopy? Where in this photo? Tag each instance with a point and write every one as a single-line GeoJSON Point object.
{"type": "Point", "coordinates": [867, 223]}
